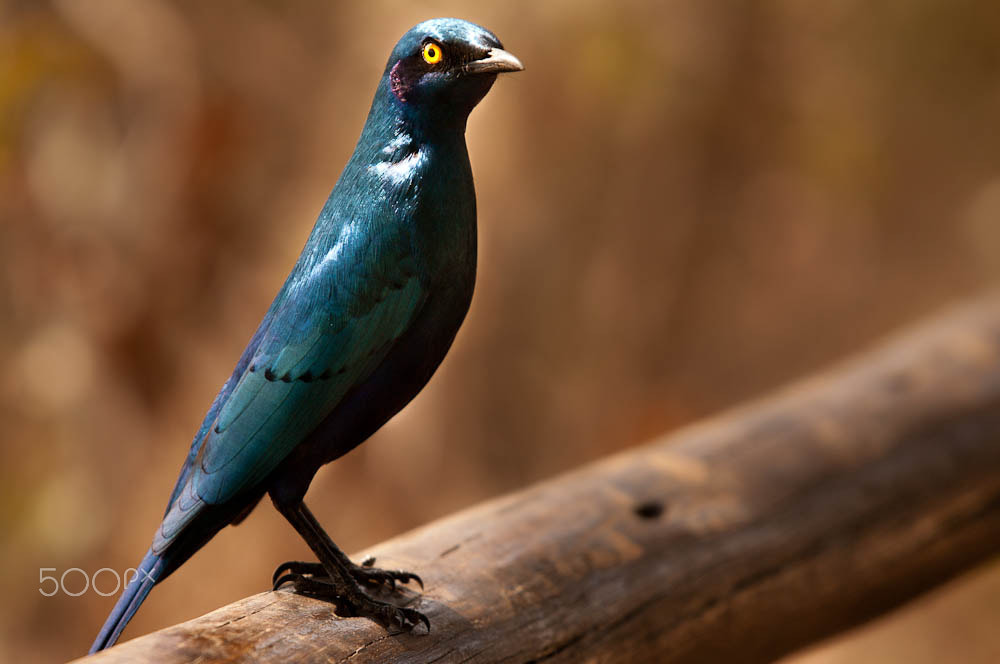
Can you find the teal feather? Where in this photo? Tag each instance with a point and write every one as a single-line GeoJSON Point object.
{"type": "Point", "coordinates": [363, 320]}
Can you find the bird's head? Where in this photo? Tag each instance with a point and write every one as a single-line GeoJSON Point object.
{"type": "Point", "coordinates": [442, 68]}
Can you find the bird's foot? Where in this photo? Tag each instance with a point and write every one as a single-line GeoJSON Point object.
{"type": "Point", "coordinates": [364, 573]}
{"type": "Point", "coordinates": [350, 599]}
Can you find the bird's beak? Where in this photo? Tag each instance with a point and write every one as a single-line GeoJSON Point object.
{"type": "Point", "coordinates": [496, 61]}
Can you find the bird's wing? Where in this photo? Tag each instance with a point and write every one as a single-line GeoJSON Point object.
{"type": "Point", "coordinates": [334, 323]}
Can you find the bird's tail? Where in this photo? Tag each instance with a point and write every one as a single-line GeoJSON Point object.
{"type": "Point", "coordinates": [150, 570]}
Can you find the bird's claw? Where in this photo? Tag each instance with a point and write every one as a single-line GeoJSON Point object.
{"type": "Point", "coordinates": [389, 616]}
{"type": "Point", "coordinates": [363, 573]}
{"type": "Point", "coordinates": [378, 577]}
{"type": "Point", "coordinates": [368, 573]}
{"type": "Point", "coordinates": [295, 568]}
{"type": "Point", "coordinates": [408, 619]}
{"type": "Point", "coordinates": [354, 602]}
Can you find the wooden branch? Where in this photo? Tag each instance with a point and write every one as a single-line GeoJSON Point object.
{"type": "Point", "coordinates": [737, 540]}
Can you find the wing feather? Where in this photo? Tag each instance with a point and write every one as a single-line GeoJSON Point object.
{"type": "Point", "coordinates": [333, 323]}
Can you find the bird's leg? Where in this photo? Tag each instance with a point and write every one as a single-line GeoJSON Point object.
{"type": "Point", "coordinates": [366, 572]}
{"type": "Point", "coordinates": [335, 578]}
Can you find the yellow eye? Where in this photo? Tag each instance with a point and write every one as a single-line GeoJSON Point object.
{"type": "Point", "coordinates": [432, 53]}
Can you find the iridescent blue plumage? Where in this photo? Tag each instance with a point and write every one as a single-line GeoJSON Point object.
{"type": "Point", "coordinates": [363, 320]}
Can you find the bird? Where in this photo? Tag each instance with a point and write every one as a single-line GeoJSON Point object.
{"type": "Point", "coordinates": [365, 317]}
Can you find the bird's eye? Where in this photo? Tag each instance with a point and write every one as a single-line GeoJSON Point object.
{"type": "Point", "coordinates": [432, 53]}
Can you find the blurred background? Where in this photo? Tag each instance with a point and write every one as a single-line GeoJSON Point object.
{"type": "Point", "coordinates": [682, 205]}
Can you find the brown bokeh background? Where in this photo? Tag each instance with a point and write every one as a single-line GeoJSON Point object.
{"type": "Point", "coordinates": [682, 204]}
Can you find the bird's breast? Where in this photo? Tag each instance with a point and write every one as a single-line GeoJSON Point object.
{"type": "Point", "coordinates": [422, 188]}
{"type": "Point", "coordinates": [401, 171]}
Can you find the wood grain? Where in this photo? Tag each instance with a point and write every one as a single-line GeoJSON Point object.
{"type": "Point", "coordinates": [737, 540]}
